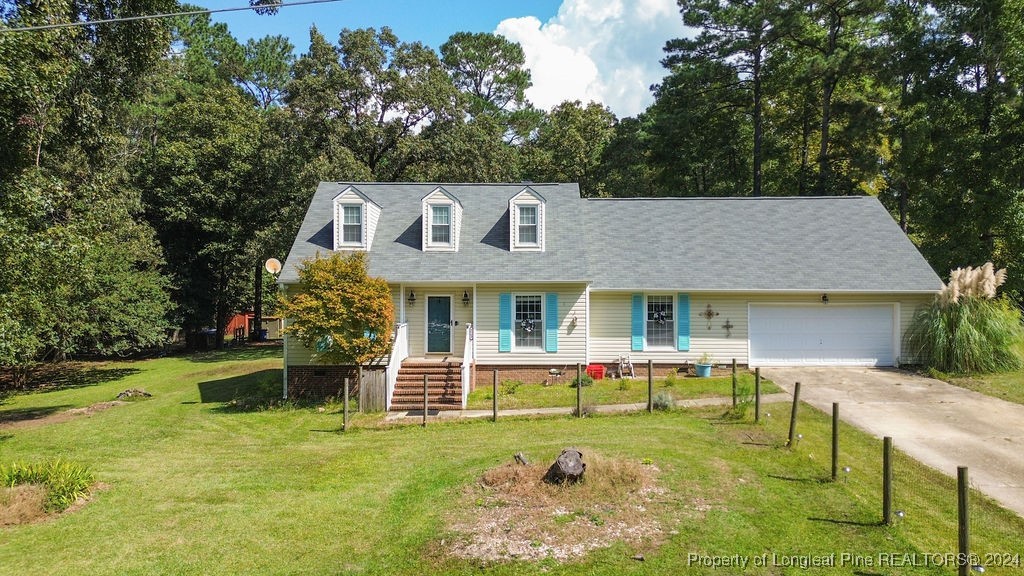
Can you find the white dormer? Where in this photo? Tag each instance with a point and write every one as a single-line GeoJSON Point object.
{"type": "Point", "coordinates": [526, 221]}
{"type": "Point", "coordinates": [355, 220]}
{"type": "Point", "coordinates": [442, 221]}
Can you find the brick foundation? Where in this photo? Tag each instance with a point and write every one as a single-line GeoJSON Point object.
{"type": "Point", "coordinates": [320, 382]}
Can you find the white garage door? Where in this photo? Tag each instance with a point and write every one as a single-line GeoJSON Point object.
{"type": "Point", "coordinates": [822, 334]}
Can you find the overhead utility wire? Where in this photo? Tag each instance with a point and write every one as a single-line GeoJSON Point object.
{"type": "Point", "coordinates": [169, 15]}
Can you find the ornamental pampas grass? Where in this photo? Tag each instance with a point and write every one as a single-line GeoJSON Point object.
{"type": "Point", "coordinates": [971, 282]}
{"type": "Point", "coordinates": [967, 329]}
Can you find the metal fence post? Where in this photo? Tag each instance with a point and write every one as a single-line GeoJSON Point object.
{"type": "Point", "coordinates": [650, 386]}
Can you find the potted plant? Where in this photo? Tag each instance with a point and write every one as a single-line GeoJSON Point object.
{"type": "Point", "coordinates": [704, 365]}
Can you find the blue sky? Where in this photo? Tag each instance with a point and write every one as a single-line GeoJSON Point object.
{"type": "Point", "coordinates": [607, 51]}
{"type": "Point", "coordinates": [428, 21]}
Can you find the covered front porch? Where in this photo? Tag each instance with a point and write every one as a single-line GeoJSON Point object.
{"type": "Point", "coordinates": [433, 352]}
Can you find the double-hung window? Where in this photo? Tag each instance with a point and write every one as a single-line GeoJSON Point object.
{"type": "Point", "coordinates": [660, 322]}
{"type": "Point", "coordinates": [529, 322]}
{"type": "Point", "coordinates": [352, 224]}
{"type": "Point", "coordinates": [528, 225]}
{"type": "Point", "coordinates": [441, 224]}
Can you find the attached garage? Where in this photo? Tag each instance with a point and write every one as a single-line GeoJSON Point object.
{"type": "Point", "coordinates": [822, 335]}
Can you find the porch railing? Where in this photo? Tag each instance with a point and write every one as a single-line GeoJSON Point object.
{"type": "Point", "coordinates": [468, 362]}
{"type": "Point", "coordinates": [399, 352]}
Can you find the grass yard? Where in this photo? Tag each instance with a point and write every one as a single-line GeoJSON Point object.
{"type": "Point", "coordinates": [609, 391]}
{"type": "Point", "coordinates": [1006, 385]}
{"type": "Point", "coordinates": [196, 485]}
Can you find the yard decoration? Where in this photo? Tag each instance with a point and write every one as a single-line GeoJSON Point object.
{"type": "Point", "coordinates": [568, 468]}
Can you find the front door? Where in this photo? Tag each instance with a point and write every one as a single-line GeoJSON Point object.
{"type": "Point", "coordinates": [439, 324]}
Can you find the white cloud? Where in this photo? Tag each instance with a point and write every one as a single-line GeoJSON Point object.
{"type": "Point", "coordinates": [604, 50]}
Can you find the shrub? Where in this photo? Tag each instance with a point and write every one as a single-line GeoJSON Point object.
{"type": "Point", "coordinates": [584, 380]}
{"type": "Point", "coordinates": [509, 387]}
{"type": "Point", "coordinates": [64, 481]}
{"type": "Point", "coordinates": [664, 401]}
{"type": "Point", "coordinates": [970, 334]}
{"type": "Point", "coordinates": [670, 378]}
{"type": "Point", "coordinates": [624, 384]}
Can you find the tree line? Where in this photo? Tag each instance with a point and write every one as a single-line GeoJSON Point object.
{"type": "Point", "coordinates": [149, 168]}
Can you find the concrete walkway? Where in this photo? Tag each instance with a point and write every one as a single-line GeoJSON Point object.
{"type": "Point", "coordinates": [939, 424]}
{"type": "Point", "coordinates": [566, 410]}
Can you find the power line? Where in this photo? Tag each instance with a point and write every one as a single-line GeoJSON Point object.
{"type": "Point", "coordinates": [168, 15]}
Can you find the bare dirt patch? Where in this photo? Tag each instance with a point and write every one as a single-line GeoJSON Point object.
{"type": "Point", "coordinates": [59, 416]}
{"type": "Point", "coordinates": [26, 504]}
{"type": "Point", "coordinates": [512, 514]}
{"type": "Point", "coordinates": [22, 504]}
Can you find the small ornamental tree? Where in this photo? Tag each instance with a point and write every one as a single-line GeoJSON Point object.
{"type": "Point", "coordinates": [339, 312]}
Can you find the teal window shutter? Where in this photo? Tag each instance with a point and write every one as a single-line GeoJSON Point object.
{"type": "Point", "coordinates": [551, 322]}
{"type": "Point", "coordinates": [637, 333]}
{"type": "Point", "coordinates": [505, 322]}
{"type": "Point", "coordinates": [683, 322]}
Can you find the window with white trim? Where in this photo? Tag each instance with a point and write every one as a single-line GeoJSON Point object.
{"type": "Point", "coordinates": [441, 224]}
{"type": "Point", "coordinates": [529, 322]}
{"type": "Point", "coordinates": [661, 332]}
{"type": "Point", "coordinates": [528, 224]}
{"type": "Point", "coordinates": [352, 224]}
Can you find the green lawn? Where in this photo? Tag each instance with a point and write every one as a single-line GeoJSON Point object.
{"type": "Point", "coordinates": [1006, 385]}
{"type": "Point", "coordinates": [194, 487]}
{"type": "Point", "coordinates": [610, 391]}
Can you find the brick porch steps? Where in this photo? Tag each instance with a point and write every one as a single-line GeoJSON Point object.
{"type": "Point", "coordinates": [444, 390]}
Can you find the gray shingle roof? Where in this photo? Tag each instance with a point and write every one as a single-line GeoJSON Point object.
{"type": "Point", "coordinates": [783, 244]}
{"type": "Point", "coordinates": [483, 254]}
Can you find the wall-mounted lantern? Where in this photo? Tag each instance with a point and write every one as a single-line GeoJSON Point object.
{"type": "Point", "coordinates": [412, 298]}
{"type": "Point", "coordinates": [824, 298]}
{"type": "Point", "coordinates": [465, 298]}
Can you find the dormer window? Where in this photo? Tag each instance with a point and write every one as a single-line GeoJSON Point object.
{"type": "Point", "coordinates": [442, 218]}
{"type": "Point", "coordinates": [352, 224]}
{"type": "Point", "coordinates": [526, 229]}
{"type": "Point", "coordinates": [441, 224]}
{"type": "Point", "coordinates": [528, 225]}
{"type": "Point", "coordinates": [355, 220]}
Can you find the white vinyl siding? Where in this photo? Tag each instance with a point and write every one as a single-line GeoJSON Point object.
{"type": "Point", "coordinates": [610, 315]}
{"type": "Point", "coordinates": [572, 340]}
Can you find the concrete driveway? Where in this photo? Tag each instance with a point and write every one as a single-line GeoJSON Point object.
{"type": "Point", "coordinates": [936, 423]}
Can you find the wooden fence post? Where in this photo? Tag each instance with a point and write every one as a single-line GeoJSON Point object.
{"type": "Point", "coordinates": [835, 440]}
{"type": "Point", "coordinates": [757, 394]}
{"type": "Point", "coordinates": [344, 404]}
{"type": "Point", "coordinates": [887, 480]}
{"type": "Point", "coordinates": [733, 382]}
{"type": "Point", "coordinates": [360, 386]}
{"type": "Point", "coordinates": [579, 390]}
{"type": "Point", "coordinates": [963, 522]}
{"type": "Point", "coordinates": [494, 398]}
{"type": "Point", "coordinates": [425, 394]}
{"type": "Point", "coordinates": [792, 415]}
{"type": "Point", "coordinates": [650, 386]}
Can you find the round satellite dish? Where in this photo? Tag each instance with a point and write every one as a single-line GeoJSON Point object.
{"type": "Point", "coordinates": [273, 265]}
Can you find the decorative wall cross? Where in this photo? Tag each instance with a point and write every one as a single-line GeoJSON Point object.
{"type": "Point", "coordinates": [708, 314]}
{"type": "Point", "coordinates": [728, 328]}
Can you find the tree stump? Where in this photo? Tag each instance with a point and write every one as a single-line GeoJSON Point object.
{"type": "Point", "coordinates": [568, 468]}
